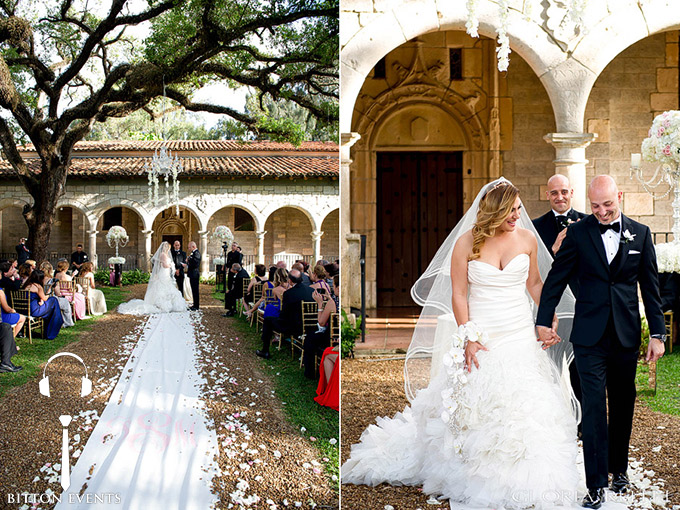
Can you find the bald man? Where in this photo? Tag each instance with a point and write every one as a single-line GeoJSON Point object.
{"type": "Point", "coordinates": [609, 254]}
{"type": "Point", "coordinates": [552, 226]}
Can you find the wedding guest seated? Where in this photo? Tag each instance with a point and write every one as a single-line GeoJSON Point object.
{"type": "Point", "coordinates": [305, 277]}
{"type": "Point", "coordinates": [24, 271]}
{"type": "Point", "coordinates": [289, 322]}
{"type": "Point", "coordinates": [9, 280]}
{"type": "Point", "coordinates": [281, 265]}
{"type": "Point", "coordinates": [8, 348]}
{"type": "Point", "coordinates": [236, 292]}
{"type": "Point", "coordinates": [317, 341]}
{"type": "Point", "coordinates": [95, 296]}
{"type": "Point", "coordinates": [51, 289]}
{"type": "Point", "coordinates": [10, 315]}
{"type": "Point", "coordinates": [42, 306]}
{"type": "Point", "coordinates": [77, 296]}
{"type": "Point", "coordinates": [259, 278]}
{"type": "Point", "coordinates": [328, 390]}
{"type": "Point", "coordinates": [319, 283]}
{"type": "Point", "coordinates": [275, 288]}
{"type": "Point", "coordinates": [272, 270]}
{"type": "Point", "coordinates": [78, 258]}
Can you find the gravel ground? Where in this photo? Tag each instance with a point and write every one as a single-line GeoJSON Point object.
{"type": "Point", "coordinates": [262, 458]}
{"type": "Point", "coordinates": [373, 388]}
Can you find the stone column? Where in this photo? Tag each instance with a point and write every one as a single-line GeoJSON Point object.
{"type": "Point", "coordinates": [147, 249]}
{"type": "Point", "coordinates": [570, 160]}
{"type": "Point", "coordinates": [316, 238]}
{"type": "Point", "coordinates": [92, 246]}
{"type": "Point", "coordinates": [349, 272]}
{"type": "Point", "coordinates": [205, 259]}
{"type": "Point", "coordinates": [260, 246]}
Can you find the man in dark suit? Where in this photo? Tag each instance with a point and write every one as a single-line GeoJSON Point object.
{"type": "Point", "coordinates": [233, 257]}
{"type": "Point", "coordinates": [8, 348]}
{"type": "Point", "coordinates": [194, 273]}
{"type": "Point", "coordinates": [609, 254]}
{"type": "Point", "coordinates": [78, 258]}
{"type": "Point", "coordinates": [23, 253]}
{"type": "Point", "coordinates": [552, 226]}
{"type": "Point", "coordinates": [236, 292]}
{"type": "Point", "coordinates": [289, 321]}
{"type": "Point", "coordinates": [179, 258]}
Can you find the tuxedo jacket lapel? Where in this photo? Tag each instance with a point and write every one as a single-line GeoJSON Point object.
{"type": "Point", "coordinates": [596, 237]}
{"type": "Point", "coordinates": [623, 247]}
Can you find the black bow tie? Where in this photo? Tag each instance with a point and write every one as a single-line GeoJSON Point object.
{"type": "Point", "coordinates": [616, 227]}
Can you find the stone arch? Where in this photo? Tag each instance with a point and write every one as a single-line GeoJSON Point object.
{"type": "Point", "coordinates": [285, 235]}
{"type": "Point", "coordinates": [200, 217]}
{"type": "Point", "coordinates": [313, 218]}
{"type": "Point", "coordinates": [13, 224]}
{"type": "Point", "coordinates": [408, 20]}
{"type": "Point", "coordinates": [84, 210]}
{"type": "Point", "coordinates": [146, 216]}
{"type": "Point", "coordinates": [330, 226]}
{"type": "Point", "coordinates": [241, 204]}
{"type": "Point", "coordinates": [12, 202]}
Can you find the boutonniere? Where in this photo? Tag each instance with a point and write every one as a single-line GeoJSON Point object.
{"type": "Point", "coordinates": [627, 237]}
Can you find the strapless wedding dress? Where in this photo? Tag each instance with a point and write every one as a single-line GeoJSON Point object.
{"type": "Point", "coordinates": [513, 443]}
{"type": "Point", "coordinates": [162, 296]}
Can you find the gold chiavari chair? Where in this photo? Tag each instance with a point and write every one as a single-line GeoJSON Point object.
{"type": "Point", "coordinates": [310, 319]}
{"type": "Point", "coordinates": [21, 302]}
{"type": "Point", "coordinates": [85, 284]}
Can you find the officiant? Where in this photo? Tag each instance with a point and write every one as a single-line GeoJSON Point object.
{"type": "Point", "coordinates": [179, 258]}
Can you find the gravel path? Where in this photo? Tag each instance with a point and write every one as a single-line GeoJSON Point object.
{"type": "Point", "coordinates": [373, 388]}
{"type": "Point", "coordinates": [264, 461]}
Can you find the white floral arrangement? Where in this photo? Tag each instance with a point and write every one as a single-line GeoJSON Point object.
{"type": "Point", "coordinates": [668, 257]}
{"type": "Point", "coordinates": [116, 260]}
{"type": "Point", "coordinates": [663, 141]}
{"type": "Point", "coordinates": [454, 363]}
{"type": "Point", "coordinates": [218, 261]}
{"type": "Point", "coordinates": [223, 234]}
{"type": "Point", "coordinates": [117, 236]}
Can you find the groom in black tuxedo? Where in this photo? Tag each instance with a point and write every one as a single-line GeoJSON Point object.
{"type": "Point", "coordinates": [609, 254]}
{"type": "Point", "coordinates": [194, 274]}
{"type": "Point", "coordinates": [179, 258]}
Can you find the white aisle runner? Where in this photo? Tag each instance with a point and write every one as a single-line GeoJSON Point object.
{"type": "Point", "coordinates": [151, 448]}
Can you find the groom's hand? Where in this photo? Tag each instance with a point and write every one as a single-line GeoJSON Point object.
{"type": "Point", "coordinates": [547, 336]}
{"type": "Point", "coordinates": [655, 350]}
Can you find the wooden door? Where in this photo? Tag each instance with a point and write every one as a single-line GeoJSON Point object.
{"type": "Point", "coordinates": [420, 200]}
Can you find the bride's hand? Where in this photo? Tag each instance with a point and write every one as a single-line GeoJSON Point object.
{"type": "Point", "coordinates": [471, 349]}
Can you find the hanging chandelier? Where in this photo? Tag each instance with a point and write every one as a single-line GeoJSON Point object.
{"type": "Point", "coordinates": [164, 166]}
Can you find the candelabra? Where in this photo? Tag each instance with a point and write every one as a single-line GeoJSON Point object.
{"type": "Point", "coordinates": [666, 175]}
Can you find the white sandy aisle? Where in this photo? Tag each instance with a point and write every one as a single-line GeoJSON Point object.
{"type": "Point", "coordinates": [151, 448]}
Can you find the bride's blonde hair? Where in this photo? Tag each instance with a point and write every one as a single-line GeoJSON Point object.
{"type": "Point", "coordinates": [494, 208]}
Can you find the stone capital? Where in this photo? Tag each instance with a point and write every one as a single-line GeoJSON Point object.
{"type": "Point", "coordinates": [147, 233]}
{"type": "Point", "coordinates": [346, 142]}
{"type": "Point", "coordinates": [92, 232]}
{"type": "Point", "coordinates": [570, 140]}
{"type": "Point", "coordinates": [316, 235]}
{"type": "Point", "coordinates": [203, 233]}
{"type": "Point", "coordinates": [260, 234]}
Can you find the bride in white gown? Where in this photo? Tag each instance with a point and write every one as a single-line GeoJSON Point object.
{"type": "Point", "coordinates": [497, 430]}
{"type": "Point", "coordinates": [162, 295]}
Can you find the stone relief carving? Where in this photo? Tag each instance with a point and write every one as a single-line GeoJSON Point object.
{"type": "Point", "coordinates": [560, 24]}
{"type": "Point", "coordinates": [202, 202]}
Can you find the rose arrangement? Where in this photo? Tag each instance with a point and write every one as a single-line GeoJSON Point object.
{"type": "Point", "coordinates": [117, 236]}
{"type": "Point", "coordinates": [223, 234]}
{"type": "Point", "coordinates": [116, 260]}
{"type": "Point", "coordinates": [663, 141]}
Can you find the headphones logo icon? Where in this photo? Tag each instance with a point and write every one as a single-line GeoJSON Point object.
{"type": "Point", "coordinates": [44, 384]}
{"type": "Point", "coordinates": [65, 420]}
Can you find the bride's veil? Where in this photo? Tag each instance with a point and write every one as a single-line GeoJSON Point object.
{"type": "Point", "coordinates": [156, 265]}
{"type": "Point", "coordinates": [432, 291]}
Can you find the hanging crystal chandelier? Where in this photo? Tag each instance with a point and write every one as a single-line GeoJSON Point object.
{"type": "Point", "coordinates": [164, 166]}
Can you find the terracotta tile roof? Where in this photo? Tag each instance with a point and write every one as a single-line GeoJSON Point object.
{"type": "Point", "coordinates": [209, 158]}
{"type": "Point", "coordinates": [200, 145]}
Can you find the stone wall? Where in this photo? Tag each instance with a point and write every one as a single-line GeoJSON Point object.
{"type": "Point", "coordinates": [330, 242]}
{"type": "Point", "coordinates": [288, 231]}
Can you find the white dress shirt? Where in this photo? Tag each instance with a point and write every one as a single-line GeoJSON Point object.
{"type": "Point", "coordinates": [611, 240]}
{"type": "Point", "coordinates": [561, 214]}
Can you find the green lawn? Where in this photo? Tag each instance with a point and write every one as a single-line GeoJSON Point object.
{"type": "Point", "coordinates": [667, 398]}
{"type": "Point", "coordinates": [33, 355]}
{"type": "Point", "coordinates": [298, 393]}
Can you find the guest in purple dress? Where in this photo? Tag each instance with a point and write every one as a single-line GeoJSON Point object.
{"type": "Point", "coordinates": [9, 315]}
{"type": "Point", "coordinates": [42, 306]}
